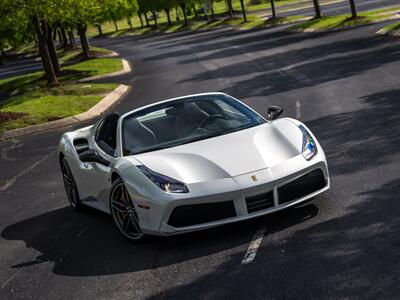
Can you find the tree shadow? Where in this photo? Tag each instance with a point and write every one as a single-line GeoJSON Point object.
{"type": "Point", "coordinates": [293, 56]}
{"type": "Point", "coordinates": [88, 244]}
{"type": "Point", "coordinates": [312, 73]}
{"type": "Point", "coordinates": [362, 139]}
{"type": "Point", "coordinates": [352, 254]}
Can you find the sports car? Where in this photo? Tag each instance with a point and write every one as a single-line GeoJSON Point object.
{"type": "Point", "coordinates": [191, 163]}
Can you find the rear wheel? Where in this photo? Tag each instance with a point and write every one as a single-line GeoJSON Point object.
{"type": "Point", "coordinates": [124, 213]}
{"type": "Point", "coordinates": [70, 185]}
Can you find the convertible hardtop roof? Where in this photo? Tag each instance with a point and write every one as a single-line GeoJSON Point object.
{"type": "Point", "coordinates": [171, 100]}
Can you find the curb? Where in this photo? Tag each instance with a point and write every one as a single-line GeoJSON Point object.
{"type": "Point", "coordinates": [126, 69]}
{"type": "Point", "coordinates": [388, 32]}
{"type": "Point", "coordinates": [93, 112]}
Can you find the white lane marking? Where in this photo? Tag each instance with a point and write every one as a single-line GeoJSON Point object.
{"type": "Point", "coordinates": [298, 112]}
{"type": "Point", "coordinates": [11, 278]}
{"type": "Point", "coordinates": [81, 232]}
{"type": "Point", "coordinates": [11, 181]}
{"type": "Point", "coordinates": [253, 247]}
{"type": "Point", "coordinates": [210, 66]}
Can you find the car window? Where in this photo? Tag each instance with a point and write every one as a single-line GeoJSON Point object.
{"type": "Point", "coordinates": [106, 134]}
{"type": "Point", "coordinates": [184, 121]}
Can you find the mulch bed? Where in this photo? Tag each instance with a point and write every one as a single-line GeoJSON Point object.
{"type": "Point", "coordinates": [10, 116]}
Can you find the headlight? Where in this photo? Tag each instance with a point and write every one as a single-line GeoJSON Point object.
{"type": "Point", "coordinates": [309, 148]}
{"type": "Point", "coordinates": [167, 184]}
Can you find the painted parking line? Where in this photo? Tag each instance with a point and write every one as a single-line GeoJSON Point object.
{"type": "Point", "coordinates": [253, 247]}
{"type": "Point", "coordinates": [298, 109]}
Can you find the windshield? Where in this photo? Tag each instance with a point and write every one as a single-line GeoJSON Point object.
{"type": "Point", "coordinates": [184, 121]}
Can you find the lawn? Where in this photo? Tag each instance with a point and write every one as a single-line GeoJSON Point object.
{"type": "Point", "coordinates": [395, 27]}
{"type": "Point", "coordinates": [220, 10]}
{"type": "Point", "coordinates": [345, 21]}
{"type": "Point", "coordinates": [27, 100]}
{"type": "Point", "coordinates": [253, 21]}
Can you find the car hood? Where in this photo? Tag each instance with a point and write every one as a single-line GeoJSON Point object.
{"type": "Point", "coordinates": [228, 155]}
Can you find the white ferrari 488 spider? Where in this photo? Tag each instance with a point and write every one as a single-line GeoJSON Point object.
{"type": "Point", "coordinates": [191, 163]}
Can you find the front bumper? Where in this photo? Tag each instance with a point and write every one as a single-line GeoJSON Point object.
{"type": "Point", "coordinates": [252, 195]}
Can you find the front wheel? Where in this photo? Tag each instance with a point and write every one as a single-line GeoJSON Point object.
{"type": "Point", "coordinates": [124, 213]}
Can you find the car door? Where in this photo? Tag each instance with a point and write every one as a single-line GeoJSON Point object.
{"type": "Point", "coordinates": [96, 177]}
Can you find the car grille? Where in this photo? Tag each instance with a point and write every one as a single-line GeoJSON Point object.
{"type": "Point", "coordinates": [260, 202]}
{"type": "Point", "coordinates": [302, 186]}
{"type": "Point", "coordinates": [187, 215]}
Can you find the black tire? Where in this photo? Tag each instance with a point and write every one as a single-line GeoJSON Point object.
{"type": "Point", "coordinates": [70, 186]}
{"type": "Point", "coordinates": [124, 212]}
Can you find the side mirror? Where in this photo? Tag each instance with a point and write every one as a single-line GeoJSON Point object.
{"type": "Point", "coordinates": [273, 112]}
{"type": "Point", "coordinates": [91, 155]}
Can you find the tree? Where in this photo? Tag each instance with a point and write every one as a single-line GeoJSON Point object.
{"type": "Point", "coordinates": [243, 11]}
{"type": "Point", "coordinates": [143, 8]}
{"type": "Point", "coordinates": [317, 9]}
{"type": "Point", "coordinates": [14, 31]}
{"type": "Point", "coordinates": [273, 10]}
{"type": "Point", "coordinates": [230, 7]}
{"type": "Point", "coordinates": [40, 14]}
{"type": "Point", "coordinates": [167, 5]}
{"type": "Point", "coordinates": [46, 17]}
{"type": "Point", "coordinates": [114, 10]}
{"type": "Point", "coordinates": [353, 9]}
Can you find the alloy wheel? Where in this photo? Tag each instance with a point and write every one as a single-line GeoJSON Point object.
{"type": "Point", "coordinates": [69, 184]}
{"type": "Point", "coordinates": [124, 213]}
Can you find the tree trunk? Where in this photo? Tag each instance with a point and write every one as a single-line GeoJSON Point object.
{"type": "Point", "coordinates": [59, 38]}
{"type": "Point", "coordinates": [194, 10]}
{"type": "Point", "coordinates": [353, 9]}
{"type": "Point", "coordinates": [130, 23]}
{"type": "Point", "coordinates": [50, 46]}
{"type": "Point", "coordinates": [155, 18]}
{"type": "Point", "coordinates": [115, 25]}
{"type": "Point", "coordinates": [212, 13]}
{"type": "Point", "coordinates": [168, 16]}
{"type": "Point", "coordinates": [44, 52]}
{"type": "Point", "coordinates": [64, 38]}
{"type": "Point", "coordinates": [273, 9]}
{"type": "Point", "coordinates": [243, 11]}
{"type": "Point", "coordinates": [84, 41]}
{"type": "Point", "coordinates": [317, 9]}
{"type": "Point", "coordinates": [2, 56]}
{"type": "Point", "coordinates": [71, 38]}
{"type": "Point", "coordinates": [141, 20]}
{"type": "Point", "coordinates": [99, 29]}
{"type": "Point", "coordinates": [183, 7]}
{"type": "Point", "coordinates": [53, 33]}
{"type": "Point", "coordinates": [147, 19]}
{"type": "Point", "coordinates": [230, 8]}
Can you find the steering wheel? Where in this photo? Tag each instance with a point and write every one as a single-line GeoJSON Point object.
{"type": "Point", "coordinates": [208, 120]}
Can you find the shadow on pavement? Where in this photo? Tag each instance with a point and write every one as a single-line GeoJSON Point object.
{"type": "Point", "coordinates": [353, 255]}
{"type": "Point", "coordinates": [87, 244]}
{"type": "Point", "coordinates": [362, 139]}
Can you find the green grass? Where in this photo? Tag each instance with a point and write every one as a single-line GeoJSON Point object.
{"type": "Point", "coordinates": [28, 100]}
{"type": "Point", "coordinates": [199, 23]}
{"type": "Point", "coordinates": [395, 27]}
{"type": "Point", "coordinates": [66, 56]}
{"type": "Point", "coordinates": [253, 21]}
{"type": "Point", "coordinates": [259, 23]}
{"type": "Point", "coordinates": [344, 21]}
{"type": "Point", "coordinates": [47, 104]}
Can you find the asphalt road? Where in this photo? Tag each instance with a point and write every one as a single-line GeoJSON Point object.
{"type": "Point", "coordinates": [27, 65]}
{"type": "Point", "coordinates": [343, 85]}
